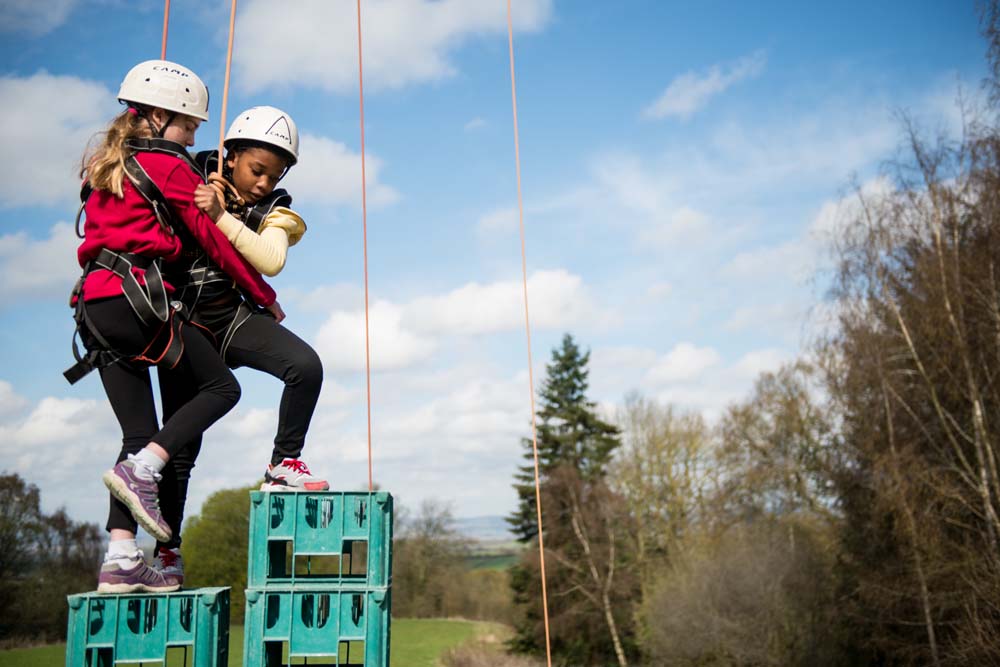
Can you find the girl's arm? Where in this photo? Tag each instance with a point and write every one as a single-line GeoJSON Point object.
{"type": "Point", "coordinates": [179, 189]}
{"type": "Point", "coordinates": [267, 249]}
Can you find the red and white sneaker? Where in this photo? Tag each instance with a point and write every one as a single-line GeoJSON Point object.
{"type": "Point", "coordinates": [291, 475]}
{"type": "Point", "coordinates": [169, 563]}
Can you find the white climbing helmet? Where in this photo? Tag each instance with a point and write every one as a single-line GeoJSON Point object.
{"type": "Point", "coordinates": [266, 125]}
{"type": "Point", "coordinates": [166, 85]}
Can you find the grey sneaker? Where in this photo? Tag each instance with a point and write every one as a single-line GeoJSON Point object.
{"type": "Point", "coordinates": [292, 475]}
{"type": "Point", "coordinates": [140, 496]}
{"type": "Point", "coordinates": [139, 579]}
{"type": "Point", "coordinates": [169, 563]}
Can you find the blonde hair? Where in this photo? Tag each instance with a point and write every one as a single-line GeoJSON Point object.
{"type": "Point", "coordinates": [104, 165]}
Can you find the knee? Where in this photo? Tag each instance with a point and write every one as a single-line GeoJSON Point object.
{"type": "Point", "coordinates": [228, 389]}
{"type": "Point", "coordinates": [306, 369]}
{"type": "Point", "coordinates": [233, 392]}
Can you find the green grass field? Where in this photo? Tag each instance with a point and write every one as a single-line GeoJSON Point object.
{"type": "Point", "coordinates": [415, 643]}
{"type": "Point", "coordinates": [491, 561]}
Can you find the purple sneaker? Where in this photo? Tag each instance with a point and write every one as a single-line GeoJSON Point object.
{"type": "Point", "coordinates": [138, 579]}
{"type": "Point", "coordinates": [140, 496]}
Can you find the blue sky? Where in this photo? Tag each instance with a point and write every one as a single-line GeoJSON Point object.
{"type": "Point", "coordinates": [681, 165]}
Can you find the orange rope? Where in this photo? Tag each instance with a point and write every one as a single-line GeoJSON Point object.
{"type": "Point", "coordinates": [225, 88]}
{"type": "Point", "coordinates": [166, 21]}
{"type": "Point", "coordinates": [364, 227]}
{"type": "Point", "coordinates": [527, 328]}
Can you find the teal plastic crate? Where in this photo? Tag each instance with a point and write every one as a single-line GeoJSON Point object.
{"type": "Point", "coordinates": [344, 626]}
{"type": "Point", "coordinates": [107, 629]}
{"type": "Point", "coordinates": [323, 537]}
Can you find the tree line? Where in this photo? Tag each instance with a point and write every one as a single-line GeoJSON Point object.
{"type": "Point", "coordinates": [847, 511]}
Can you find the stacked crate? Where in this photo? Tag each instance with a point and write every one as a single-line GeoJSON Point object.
{"type": "Point", "coordinates": [319, 576]}
{"type": "Point", "coordinates": [105, 630]}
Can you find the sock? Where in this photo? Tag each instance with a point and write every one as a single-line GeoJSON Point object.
{"type": "Point", "coordinates": [123, 552]}
{"type": "Point", "coordinates": [151, 463]}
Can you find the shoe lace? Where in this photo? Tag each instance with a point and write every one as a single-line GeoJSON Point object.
{"type": "Point", "coordinates": [168, 558]}
{"type": "Point", "coordinates": [296, 465]}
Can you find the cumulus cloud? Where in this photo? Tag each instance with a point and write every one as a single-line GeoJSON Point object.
{"type": "Point", "coordinates": [76, 438]}
{"type": "Point", "coordinates": [688, 376]}
{"type": "Point", "coordinates": [313, 43]}
{"type": "Point", "coordinates": [341, 340]}
{"type": "Point", "coordinates": [31, 269]}
{"type": "Point", "coordinates": [558, 299]}
{"type": "Point", "coordinates": [48, 135]}
{"type": "Point", "coordinates": [691, 91]}
{"type": "Point", "coordinates": [406, 334]}
{"type": "Point", "coordinates": [684, 362]}
{"type": "Point", "coordinates": [329, 172]}
{"type": "Point", "coordinates": [11, 403]}
{"type": "Point", "coordinates": [35, 18]}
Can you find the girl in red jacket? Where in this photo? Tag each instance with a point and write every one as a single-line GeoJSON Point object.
{"type": "Point", "coordinates": [139, 205]}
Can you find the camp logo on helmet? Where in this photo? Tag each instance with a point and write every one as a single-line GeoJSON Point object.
{"type": "Point", "coordinates": [280, 130]}
{"type": "Point", "coordinates": [169, 70]}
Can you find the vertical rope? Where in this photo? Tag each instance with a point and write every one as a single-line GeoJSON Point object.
{"type": "Point", "coordinates": [166, 22]}
{"type": "Point", "coordinates": [225, 88]}
{"type": "Point", "coordinates": [364, 228]}
{"type": "Point", "coordinates": [527, 329]}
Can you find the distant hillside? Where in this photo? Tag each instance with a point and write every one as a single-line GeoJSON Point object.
{"type": "Point", "coordinates": [484, 528]}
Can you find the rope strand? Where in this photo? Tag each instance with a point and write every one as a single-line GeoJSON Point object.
{"type": "Point", "coordinates": [364, 227]}
{"type": "Point", "coordinates": [527, 329]}
{"type": "Point", "coordinates": [225, 88]}
{"type": "Point", "coordinates": [166, 22]}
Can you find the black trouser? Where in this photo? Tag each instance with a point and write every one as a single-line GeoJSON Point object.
{"type": "Point", "coordinates": [213, 389]}
{"type": "Point", "coordinates": [262, 344]}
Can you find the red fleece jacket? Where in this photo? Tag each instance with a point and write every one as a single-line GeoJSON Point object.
{"type": "Point", "coordinates": [129, 225]}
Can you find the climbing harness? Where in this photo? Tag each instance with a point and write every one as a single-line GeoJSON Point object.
{"type": "Point", "coordinates": [149, 301]}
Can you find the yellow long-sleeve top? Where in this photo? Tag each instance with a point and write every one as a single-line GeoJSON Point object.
{"type": "Point", "coordinates": [267, 248]}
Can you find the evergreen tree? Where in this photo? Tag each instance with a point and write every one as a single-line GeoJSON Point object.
{"type": "Point", "coordinates": [569, 432]}
{"type": "Point", "coordinates": [574, 451]}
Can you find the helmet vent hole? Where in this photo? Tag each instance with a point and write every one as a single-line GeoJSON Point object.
{"type": "Point", "coordinates": [147, 78]}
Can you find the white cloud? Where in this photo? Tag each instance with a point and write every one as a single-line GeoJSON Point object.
{"type": "Point", "coordinates": [691, 91]}
{"type": "Point", "coordinates": [682, 224]}
{"type": "Point", "coordinates": [406, 334]}
{"type": "Point", "coordinates": [685, 362]}
{"type": "Point", "coordinates": [44, 268]}
{"type": "Point", "coordinates": [341, 340]}
{"type": "Point", "coordinates": [313, 43]}
{"type": "Point", "coordinates": [688, 376]}
{"type": "Point", "coordinates": [48, 121]}
{"type": "Point", "coordinates": [74, 439]}
{"type": "Point", "coordinates": [753, 363]}
{"type": "Point", "coordinates": [475, 124]}
{"type": "Point", "coordinates": [659, 291]}
{"type": "Point", "coordinates": [11, 403]}
{"type": "Point", "coordinates": [329, 172]}
{"type": "Point", "coordinates": [499, 221]}
{"type": "Point", "coordinates": [557, 299]}
{"type": "Point", "coordinates": [31, 16]}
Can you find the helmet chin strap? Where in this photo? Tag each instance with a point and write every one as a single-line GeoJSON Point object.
{"type": "Point", "coordinates": [158, 133]}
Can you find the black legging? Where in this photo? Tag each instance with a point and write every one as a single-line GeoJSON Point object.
{"type": "Point", "coordinates": [262, 344]}
{"type": "Point", "coordinates": [213, 390]}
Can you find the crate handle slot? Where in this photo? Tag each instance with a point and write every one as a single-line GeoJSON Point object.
{"type": "Point", "coordinates": [97, 618]}
{"type": "Point", "coordinates": [357, 608]}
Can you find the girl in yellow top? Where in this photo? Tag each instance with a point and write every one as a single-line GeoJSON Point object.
{"type": "Point", "coordinates": [261, 146]}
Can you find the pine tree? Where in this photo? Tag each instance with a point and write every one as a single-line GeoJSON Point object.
{"type": "Point", "coordinates": [569, 431]}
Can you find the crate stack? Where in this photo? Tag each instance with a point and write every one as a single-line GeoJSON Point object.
{"type": "Point", "coordinates": [105, 630]}
{"type": "Point", "coordinates": [319, 576]}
